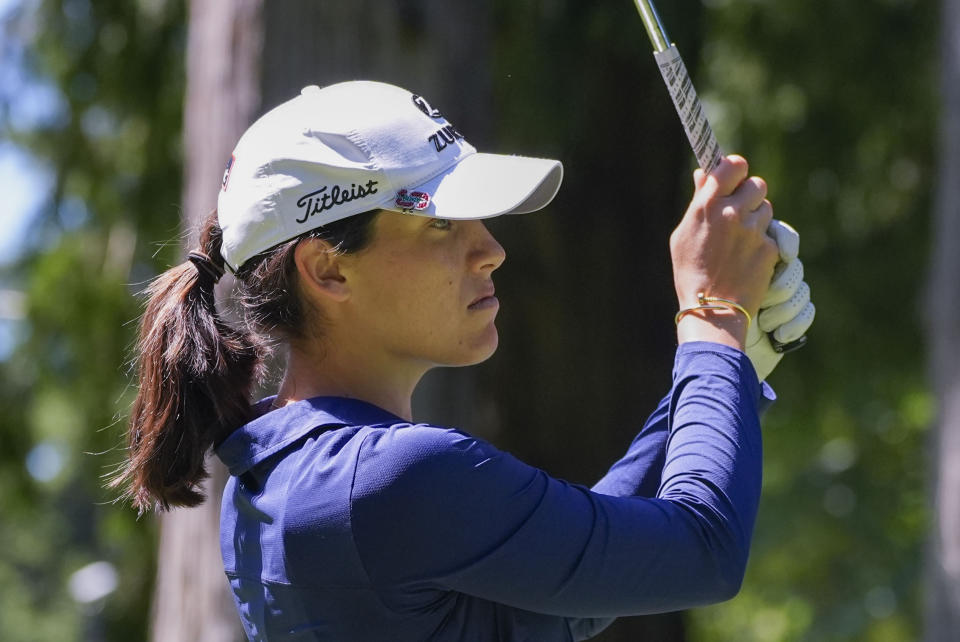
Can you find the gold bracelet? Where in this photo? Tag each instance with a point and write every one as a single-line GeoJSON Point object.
{"type": "Point", "coordinates": [710, 303]}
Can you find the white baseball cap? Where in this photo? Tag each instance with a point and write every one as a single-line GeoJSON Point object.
{"type": "Point", "coordinates": [358, 146]}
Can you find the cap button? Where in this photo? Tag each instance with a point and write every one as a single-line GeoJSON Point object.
{"type": "Point", "coordinates": [309, 89]}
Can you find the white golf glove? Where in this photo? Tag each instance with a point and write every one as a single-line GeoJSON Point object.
{"type": "Point", "coordinates": [786, 310]}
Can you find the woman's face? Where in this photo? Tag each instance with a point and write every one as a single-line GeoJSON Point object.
{"type": "Point", "coordinates": [422, 290]}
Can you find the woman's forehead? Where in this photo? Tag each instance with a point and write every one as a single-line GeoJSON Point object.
{"type": "Point", "coordinates": [391, 222]}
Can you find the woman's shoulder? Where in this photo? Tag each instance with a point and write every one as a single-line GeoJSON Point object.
{"type": "Point", "coordinates": [400, 462]}
{"type": "Point", "coordinates": [406, 448]}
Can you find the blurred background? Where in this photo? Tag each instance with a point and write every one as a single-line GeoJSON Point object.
{"type": "Point", "coordinates": [117, 117]}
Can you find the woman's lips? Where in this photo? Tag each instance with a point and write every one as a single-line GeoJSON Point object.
{"type": "Point", "coordinates": [484, 303]}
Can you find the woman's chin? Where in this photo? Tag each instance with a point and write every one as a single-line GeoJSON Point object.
{"type": "Point", "coordinates": [479, 350]}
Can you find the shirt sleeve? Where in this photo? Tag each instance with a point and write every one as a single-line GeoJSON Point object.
{"type": "Point", "coordinates": [638, 472]}
{"type": "Point", "coordinates": [439, 506]}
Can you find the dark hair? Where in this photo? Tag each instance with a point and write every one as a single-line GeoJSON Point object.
{"type": "Point", "coordinates": [196, 372]}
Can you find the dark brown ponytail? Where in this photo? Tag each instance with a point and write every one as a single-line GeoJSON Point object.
{"type": "Point", "coordinates": [196, 373]}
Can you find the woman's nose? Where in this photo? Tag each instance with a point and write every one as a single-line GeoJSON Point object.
{"type": "Point", "coordinates": [488, 254]}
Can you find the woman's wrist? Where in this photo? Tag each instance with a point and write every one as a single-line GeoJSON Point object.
{"type": "Point", "coordinates": [727, 327]}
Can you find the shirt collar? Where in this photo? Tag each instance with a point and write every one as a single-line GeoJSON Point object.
{"type": "Point", "coordinates": [272, 430]}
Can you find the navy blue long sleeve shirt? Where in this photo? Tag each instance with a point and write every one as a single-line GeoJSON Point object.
{"type": "Point", "coordinates": [344, 522]}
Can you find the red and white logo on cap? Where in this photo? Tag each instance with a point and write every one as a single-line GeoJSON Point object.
{"type": "Point", "coordinates": [412, 200]}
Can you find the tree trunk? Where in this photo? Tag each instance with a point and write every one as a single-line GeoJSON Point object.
{"type": "Point", "coordinates": [192, 601]}
{"type": "Point", "coordinates": [943, 591]}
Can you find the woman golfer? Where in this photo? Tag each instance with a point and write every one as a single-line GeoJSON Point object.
{"type": "Point", "coordinates": [351, 218]}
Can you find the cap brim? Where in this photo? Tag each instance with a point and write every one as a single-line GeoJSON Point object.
{"type": "Point", "coordinates": [487, 185]}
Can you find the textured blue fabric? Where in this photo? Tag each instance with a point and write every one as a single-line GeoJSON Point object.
{"type": "Point", "coordinates": [344, 522]}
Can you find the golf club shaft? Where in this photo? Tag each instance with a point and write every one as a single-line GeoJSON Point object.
{"type": "Point", "coordinates": [651, 21]}
{"type": "Point", "coordinates": [690, 110]}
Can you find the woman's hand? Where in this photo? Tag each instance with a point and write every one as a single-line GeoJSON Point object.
{"type": "Point", "coordinates": [721, 248]}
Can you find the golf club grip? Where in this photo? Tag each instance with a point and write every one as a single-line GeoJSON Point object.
{"type": "Point", "coordinates": [700, 134]}
{"type": "Point", "coordinates": [688, 107]}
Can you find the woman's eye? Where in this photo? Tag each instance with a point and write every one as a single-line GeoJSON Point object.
{"type": "Point", "coordinates": [441, 224]}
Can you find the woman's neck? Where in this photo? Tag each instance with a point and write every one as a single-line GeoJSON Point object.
{"type": "Point", "coordinates": [315, 371]}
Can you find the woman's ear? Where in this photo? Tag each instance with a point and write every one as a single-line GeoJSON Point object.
{"type": "Point", "coordinates": [319, 270]}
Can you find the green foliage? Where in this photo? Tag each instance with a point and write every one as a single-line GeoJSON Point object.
{"type": "Point", "coordinates": [112, 79]}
